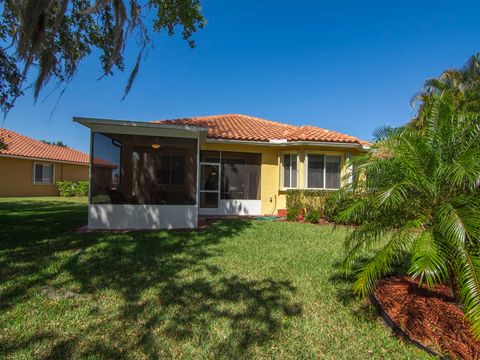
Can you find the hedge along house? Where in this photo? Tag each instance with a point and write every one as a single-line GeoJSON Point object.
{"type": "Point", "coordinates": [30, 167]}
{"type": "Point", "coordinates": [168, 173]}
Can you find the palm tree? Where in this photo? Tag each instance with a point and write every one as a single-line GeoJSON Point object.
{"type": "Point", "coordinates": [463, 84]}
{"type": "Point", "coordinates": [420, 201]}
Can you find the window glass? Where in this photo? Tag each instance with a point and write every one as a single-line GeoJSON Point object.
{"type": "Point", "coordinates": [294, 171]}
{"type": "Point", "coordinates": [43, 174]}
{"type": "Point", "coordinates": [315, 171]}
{"type": "Point", "coordinates": [48, 173]}
{"type": "Point", "coordinates": [241, 176]}
{"type": "Point", "coordinates": [333, 172]}
{"type": "Point", "coordinates": [286, 170]}
{"type": "Point", "coordinates": [38, 173]}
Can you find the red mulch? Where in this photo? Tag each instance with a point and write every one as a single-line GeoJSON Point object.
{"type": "Point", "coordinates": [430, 317]}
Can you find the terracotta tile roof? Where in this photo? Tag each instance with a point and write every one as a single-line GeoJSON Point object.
{"type": "Point", "coordinates": [244, 127]}
{"type": "Point", "coordinates": [23, 146]}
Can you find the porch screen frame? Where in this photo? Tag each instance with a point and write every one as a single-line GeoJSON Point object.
{"type": "Point", "coordinates": [219, 175]}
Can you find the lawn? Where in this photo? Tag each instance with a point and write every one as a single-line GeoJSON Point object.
{"type": "Point", "coordinates": [239, 289]}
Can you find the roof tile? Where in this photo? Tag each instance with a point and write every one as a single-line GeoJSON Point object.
{"type": "Point", "coordinates": [20, 145]}
{"type": "Point", "coordinates": [249, 128]}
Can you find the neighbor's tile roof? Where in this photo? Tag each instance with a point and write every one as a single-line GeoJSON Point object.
{"type": "Point", "coordinates": [244, 127]}
{"type": "Point", "coordinates": [20, 145]}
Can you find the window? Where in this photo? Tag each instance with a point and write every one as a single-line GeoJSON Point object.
{"type": "Point", "coordinates": [323, 171]}
{"type": "Point", "coordinates": [43, 173]}
{"type": "Point", "coordinates": [316, 168]}
{"type": "Point", "coordinates": [290, 171]}
{"type": "Point", "coordinates": [332, 172]}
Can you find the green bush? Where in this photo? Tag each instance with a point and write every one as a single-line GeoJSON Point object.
{"type": "Point", "coordinates": [338, 202]}
{"type": "Point", "coordinates": [292, 214]}
{"type": "Point", "coordinates": [308, 200]}
{"type": "Point", "coordinates": [318, 204]}
{"type": "Point", "coordinates": [72, 188]}
{"type": "Point", "coordinates": [313, 216]}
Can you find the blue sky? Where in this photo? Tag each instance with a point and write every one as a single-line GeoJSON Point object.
{"type": "Point", "coordinates": [348, 66]}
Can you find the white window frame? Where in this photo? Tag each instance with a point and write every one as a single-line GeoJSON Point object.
{"type": "Point", "coordinates": [43, 182]}
{"type": "Point", "coordinates": [282, 170]}
{"type": "Point", "coordinates": [324, 170]}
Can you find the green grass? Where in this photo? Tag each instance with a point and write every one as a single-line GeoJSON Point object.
{"type": "Point", "coordinates": [239, 289]}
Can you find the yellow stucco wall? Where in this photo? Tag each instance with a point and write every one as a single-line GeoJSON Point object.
{"type": "Point", "coordinates": [16, 177]}
{"type": "Point", "coordinates": [273, 197]}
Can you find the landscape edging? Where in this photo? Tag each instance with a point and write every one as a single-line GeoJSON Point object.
{"type": "Point", "coordinates": [398, 330]}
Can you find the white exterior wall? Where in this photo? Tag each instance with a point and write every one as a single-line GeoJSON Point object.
{"type": "Point", "coordinates": [107, 216]}
{"type": "Point", "coordinates": [235, 207]}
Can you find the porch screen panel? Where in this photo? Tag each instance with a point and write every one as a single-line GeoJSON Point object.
{"type": "Point", "coordinates": [241, 176]}
{"type": "Point", "coordinates": [151, 170]}
{"type": "Point", "coordinates": [105, 171]}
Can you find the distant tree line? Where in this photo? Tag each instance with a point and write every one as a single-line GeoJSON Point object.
{"type": "Point", "coordinates": [56, 143]}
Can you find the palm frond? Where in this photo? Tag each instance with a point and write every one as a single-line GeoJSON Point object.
{"type": "Point", "coordinates": [450, 224]}
{"type": "Point", "coordinates": [382, 263]}
{"type": "Point", "coordinates": [468, 266]}
{"type": "Point", "coordinates": [427, 261]}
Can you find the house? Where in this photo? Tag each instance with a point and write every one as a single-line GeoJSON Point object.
{"type": "Point", "coordinates": [170, 172]}
{"type": "Point", "coordinates": [29, 167]}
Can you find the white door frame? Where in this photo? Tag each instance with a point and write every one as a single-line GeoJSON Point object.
{"type": "Point", "coordinates": [218, 191]}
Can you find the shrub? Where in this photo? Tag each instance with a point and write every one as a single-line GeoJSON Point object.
{"type": "Point", "coordinates": [82, 188]}
{"type": "Point", "coordinates": [308, 200]}
{"type": "Point", "coordinates": [313, 216]}
{"type": "Point", "coordinates": [292, 214]}
{"type": "Point", "coordinates": [72, 188]}
{"type": "Point", "coordinates": [338, 202]}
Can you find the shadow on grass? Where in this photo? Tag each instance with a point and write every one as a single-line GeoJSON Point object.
{"type": "Point", "coordinates": [344, 284]}
{"type": "Point", "coordinates": [31, 234]}
{"type": "Point", "coordinates": [168, 287]}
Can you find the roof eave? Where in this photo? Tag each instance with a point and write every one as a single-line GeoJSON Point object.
{"type": "Point", "coordinates": [141, 128]}
{"type": "Point", "coordinates": [331, 144]}
{"type": "Point", "coordinates": [44, 159]}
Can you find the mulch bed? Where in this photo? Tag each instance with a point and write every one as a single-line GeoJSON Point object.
{"type": "Point", "coordinates": [430, 317]}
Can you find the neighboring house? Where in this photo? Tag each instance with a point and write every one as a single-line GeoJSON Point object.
{"type": "Point", "coordinates": [29, 167]}
{"type": "Point", "coordinates": [168, 173]}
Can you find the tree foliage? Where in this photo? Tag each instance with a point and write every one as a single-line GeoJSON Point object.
{"type": "Point", "coordinates": [463, 84]}
{"type": "Point", "coordinates": [56, 143]}
{"type": "Point", "coordinates": [421, 201]}
{"type": "Point", "coordinates": [52, 37]}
